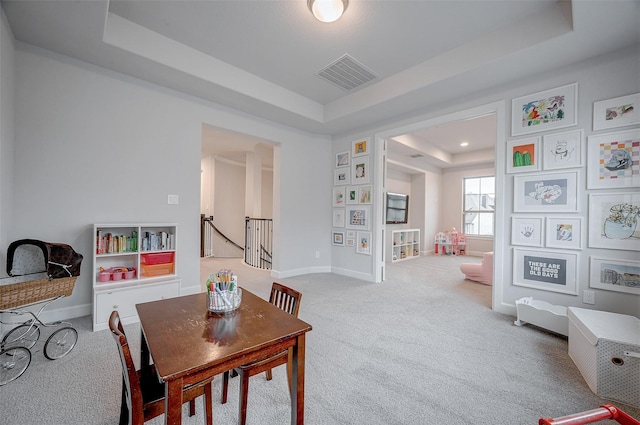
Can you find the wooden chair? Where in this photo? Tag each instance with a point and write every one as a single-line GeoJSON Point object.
{"type": "Point", "coordinates": [286, 299]}
{"type": "Point", "coordinates": [142, 393]}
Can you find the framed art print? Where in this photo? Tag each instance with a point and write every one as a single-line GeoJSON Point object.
{"type": "Point", "coordinates": [360, 171]}
{"type": "Point", "coordinates": [358, 217]}
{"type": "Point", "coordinates": [338, 217]}
{"type": "Point", "coordinates": [546, 270]}
{"type": "Point", "coordinates": [352, 195]}
{"type": "Point", "coordinates": [364, 194]}
{"type": "Point", "coordinates": [562, 150]}
{"type": "Point", "coordinates": [360, 147]}
{"type": "Point", "coordinates": [546, 192]}
{"type": "Point", "coordinates": [363, 243]}
{"type": "Point", "coordinates": [546, 110]}
{"type": "Point", "coordinates": [338, 196]}
{"type": "Point", "coordinates": [613, 221]}
{"type": "Point", "coordinates": [615, 275]}
{"type": "Point", "coordinates": [613, 160]}
{"type": "Point", "coordinates": [564, 233]}
{"type": "Point", "coordinates": [342, 159]}
{"type": "Point", "coordinates": [523, 155]}
{"type": "Point", "coordinates": [337, 238]}
{"type": "Point", "coordinates": [341, 176]}
{"type": "Point", "coordinates": [526, 231]}
{"type": "Point", "coordinates": [616, 112]}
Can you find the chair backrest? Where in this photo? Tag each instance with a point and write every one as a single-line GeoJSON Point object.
{"type": "Point", "coordinates": [129, 374]}
{"type": "Point", "coordinates": [285, 298]}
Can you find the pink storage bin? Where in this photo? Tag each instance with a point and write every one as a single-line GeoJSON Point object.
{"type": "Point", "coordinates": [130, 274]}
{"type": "Point", "coordinates": [104, 276]}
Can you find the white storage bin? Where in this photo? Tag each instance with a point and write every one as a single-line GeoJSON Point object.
{"type": "Point", "coordinates": [606, 348]}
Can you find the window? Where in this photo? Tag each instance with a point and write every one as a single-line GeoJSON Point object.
{"type": "Point", "coordinates": [479, 205]}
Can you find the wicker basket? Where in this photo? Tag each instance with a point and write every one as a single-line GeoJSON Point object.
{"type": "Point", "coordinates": [33, 291]}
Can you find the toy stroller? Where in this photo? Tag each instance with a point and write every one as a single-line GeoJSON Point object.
{"type": "Point", "coordinates": [41, 273]}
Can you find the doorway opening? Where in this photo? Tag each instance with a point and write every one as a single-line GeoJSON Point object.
{"type": "Point", "coordinates": [236, 187]}
{"type": "Point", "coordinates": [426, 161]}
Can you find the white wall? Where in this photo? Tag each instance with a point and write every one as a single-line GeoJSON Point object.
{"type": "Point", "coordinates": [452, 203]}
{"type": "Point", "coordinates": [399, 182]}
{"type": "Point", "coordinates": [7, 98]}
{"type": "Point", "coordinates": [424, 201]}
{"type": "Point", "coordinates": [605, 77]}
{"type": "Point", "coordinates": [228, 202]}
{"type": "Point", "coordinates": [96, 146]}
{"type": "Point", "coordinates": [267, 194]}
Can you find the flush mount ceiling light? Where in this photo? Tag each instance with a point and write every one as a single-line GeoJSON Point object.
{"type": "Point", "coordinates": [327, 10]}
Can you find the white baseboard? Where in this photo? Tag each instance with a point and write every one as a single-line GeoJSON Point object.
{"type": "Point", "coordinates": [356, 275]}
{"type": "Point", "coordinates": [300, 272]}
{"type": "Point", "coordinates": [49, 314]}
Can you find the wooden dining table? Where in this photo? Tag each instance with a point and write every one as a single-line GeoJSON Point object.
{"type": "Point", "coordinates": [189, 344]}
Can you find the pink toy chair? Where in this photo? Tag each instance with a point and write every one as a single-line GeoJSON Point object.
{"type": "Point", "coordinates": [482, 272]}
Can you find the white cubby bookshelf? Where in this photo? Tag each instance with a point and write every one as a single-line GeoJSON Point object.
{"type": "Point", "coordinates": [405, 244]}
{"type": "Point", "coordinates": [151, 250]}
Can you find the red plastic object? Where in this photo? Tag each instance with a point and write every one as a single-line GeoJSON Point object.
{"type": "Point", "coordinates": [606, 411]}
{"type": "Point", "coordinates": [156, 258]}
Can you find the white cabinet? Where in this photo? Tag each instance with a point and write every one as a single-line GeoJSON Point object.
{"type": "Point", "coordinates": [405, 244]}
{"type": "Point", "coordinates": [132, 263]}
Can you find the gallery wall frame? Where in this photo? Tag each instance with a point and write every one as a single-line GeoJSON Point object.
{"type": "Point", "coordinates": [612, 160]}
{"type": "Point", "coordinates": [358, 217]}
{"type": "Point", "coordinates": [360, 147]}
{"type": "Point", "coordinates": [339, 196]}
{"type": "Point", "coordinates": [365, 193]}
{"type": "Point", "coordinates": [523, 155]}
{"type": "Point", "coordinates": [616, 112]}
{"type": "Point", "coordinates": [546, 270]}
{"type": "Point", "coordinates": [527, 231]}
{"type": "Point", "coordinates": [613, 221]}
{"type": "Point", "coordinates": [339, 217]}
{"type": "Point", "coordinates": [337, 238]}
{"type": "Point", "coordinates": [341, 176]}
{"type": "Point", "coordinates": [342, 159]}
{"type": "Point", "coordinates": [363, 243]}
{"type": "Point", "coordinates": [562, 150]}
{"type": "Point", "coordinates": [546, 192]}
{"type": "Point", "coordinates": [546, 110]}
{"type": "Point", "coordinates": [352, 195]}
{"type": "Point", "coordinates": [614, 275]}
{"type": "Point", "coordinates": [564, 232]}
{"type": "Point", "coordinates": [360, 171]}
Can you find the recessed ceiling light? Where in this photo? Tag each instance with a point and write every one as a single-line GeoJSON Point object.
{"type": "Point", "coordinates": [464, 144]}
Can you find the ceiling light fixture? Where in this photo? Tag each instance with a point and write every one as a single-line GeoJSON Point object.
{"type": "Point", "coordinates": [327, 10]}
{"type": "Point", "coordinates": [464, 144]}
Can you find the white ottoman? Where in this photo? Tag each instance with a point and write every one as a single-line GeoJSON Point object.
{"type": "Point", "coordinates": [606, 348]}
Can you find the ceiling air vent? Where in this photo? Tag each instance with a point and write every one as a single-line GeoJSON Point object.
{"type": "Point", "coordinates": [346, 73]}
{"type": "Point", "coordinates": [417, 155]}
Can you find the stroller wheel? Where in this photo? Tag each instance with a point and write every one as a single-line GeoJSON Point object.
{"type": "Point", "coordinates": [60, 343]}
{"type": "Point", "coordinates": [25, 335]}
{"type": "Point", "coordinates": [13, 362]}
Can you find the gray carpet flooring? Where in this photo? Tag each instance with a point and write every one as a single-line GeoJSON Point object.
{"type": "Point", "coordinates": [424, 347]}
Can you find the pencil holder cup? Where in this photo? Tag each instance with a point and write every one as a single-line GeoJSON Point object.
{"type": "Point", "coordinates": [226, 301]}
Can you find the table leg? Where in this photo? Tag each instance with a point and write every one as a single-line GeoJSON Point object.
{"type": "Point", "coordinates": [145, 356]}
{"type": "Point", "coordinates": [297, 376]}
{"type": "Point", "coordinates": [173, 401]}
